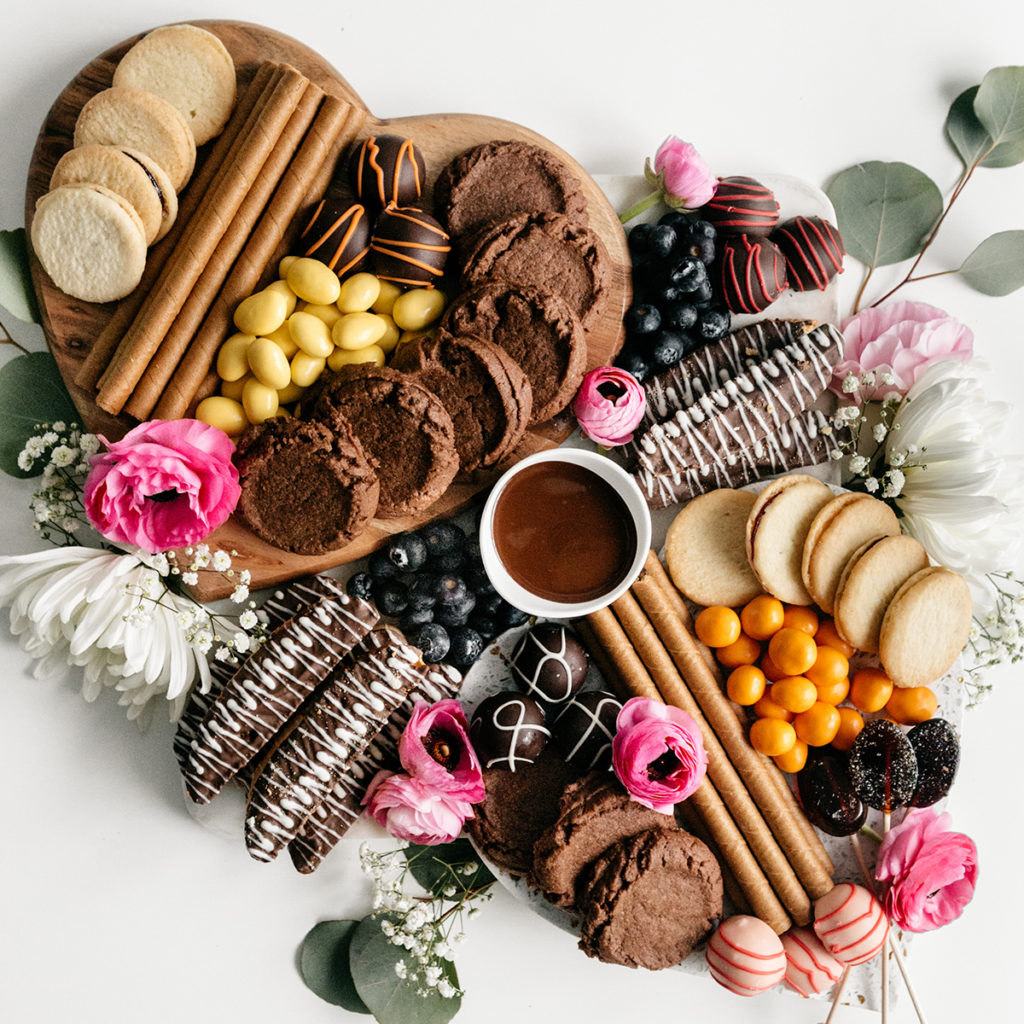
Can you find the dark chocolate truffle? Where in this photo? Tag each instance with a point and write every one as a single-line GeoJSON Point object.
{"type": "Point", "coordinates": [409, 247]}
{"type": "Point", "coordinates": [938, 756]}
{"type": "Point", "coordinates": [813, 249]}
{"type": "Point", "coordinates": [585, 727]}
{"type": "Point", "coordinates": [508, 731]}
{"type": "Point", "coordinates": [883, 765]}
{"type": "Point", "coordinates": [751, 273]}
{"type": "Point", "coordinates": [549, 663]}
{"type": "Point", "coordinates": [388, 169]}
{"type": "Point", "coordinates": [337, 234]}
{"type": "Point", "coordinates": [742, 206]}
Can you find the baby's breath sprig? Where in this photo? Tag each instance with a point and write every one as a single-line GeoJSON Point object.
{"type": "Point", "coordinates": [996, 637]}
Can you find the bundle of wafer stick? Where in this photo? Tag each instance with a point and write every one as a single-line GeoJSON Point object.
{"type": "Point", "coordinates": [277, 152]}
{"type": "Point", "coordinates": [773, 863]}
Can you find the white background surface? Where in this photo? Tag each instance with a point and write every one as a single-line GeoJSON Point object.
{"type": "Point", "coordinates": [114, 905]}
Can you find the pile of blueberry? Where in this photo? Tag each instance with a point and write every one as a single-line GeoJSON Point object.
{"type": "Point", "coordinates": [674, 310]}
{"type": "Point", "coordinates": [432, 581]}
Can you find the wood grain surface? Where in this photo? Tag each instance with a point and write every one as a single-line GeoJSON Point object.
{"type": "Point", "coordinates": [71, 326]}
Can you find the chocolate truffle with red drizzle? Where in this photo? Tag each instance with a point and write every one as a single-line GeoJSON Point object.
{"type": "Point", "coordinates": [386, 170]}
{"type": "Point", "coordinates": [409, 247]}
{"type": "Point", "coordinates": [742, 206]}
{"type": "Point", "coordinates": [508, 731]}
{"type": "Point", "coordinates": [751, 273]}
{"type": "Point", "coordinates": [337, 234]}
{"type": "Point", "coordinates": [813, 249]}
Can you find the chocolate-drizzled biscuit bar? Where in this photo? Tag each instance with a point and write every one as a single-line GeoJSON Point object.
{"type": "Point", "coordinates": [349, 711]}
{"type": "Point", "coordinates": [269, 687]}
{"type": "Point", "coordinates": [341, 806]}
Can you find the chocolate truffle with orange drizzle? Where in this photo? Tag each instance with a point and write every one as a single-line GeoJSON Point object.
{"type": "Point", "coordinates": [409, 247]}
{"type": "Point", "coordinates": [337, 234]}
{"type": "Point", "coordinates": [388, 169]}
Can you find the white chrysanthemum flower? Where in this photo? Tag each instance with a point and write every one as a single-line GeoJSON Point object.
{"type": "Point", "coordinates": [76, 605]}
{"type": "Point", "coordinates": [963, 499]}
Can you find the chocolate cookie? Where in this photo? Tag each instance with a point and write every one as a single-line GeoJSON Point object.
{"type": "Point", "coordinates": [651, 899]}
{"type": "Point", "coordinates": [518, 807]}
{"type": "Point", "coordinates": [485, 392]}
{"type": "Point", "coordinates": [404, 430]}
{"type": "Point", "coordinates": [497, 180]}
{"type": "Point", "coordinates": [305, 487]}
{"type": "Point", "coordinates": [595, 813]}
{"type": "Point", "coordinates": [547, 251]}
{"type": "Point", "coordinates": [537, 329]}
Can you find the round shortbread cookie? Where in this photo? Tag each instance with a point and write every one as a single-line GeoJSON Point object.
{"type": "Point", "coordinates": [925, 627]}
{"type": "Point", "coordinates": [845, 523]}
{"type": "Point", "coordinates": [129, 173]}
{"type": "Point", "coordinates": [141, 120]}
{"type": "Point", "coordinates": [189, 67]}
{"type": "Point", "coordinates": [775, 533]}
{"type": "Point", "coordinates": [873, 575]}
{"type": "Point", "coordinates": [705, 549]}
{"type": "Point", "coordinates": [90, 241]}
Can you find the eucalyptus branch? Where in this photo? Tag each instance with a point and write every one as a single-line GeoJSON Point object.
{"type": "Point", "coordinates": [8, 340]}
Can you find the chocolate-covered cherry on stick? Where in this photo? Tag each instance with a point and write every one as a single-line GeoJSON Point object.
{"type": "Point", "coordinates": [883, 766]}
{"type": "Point", "coordinates": [828, 796]}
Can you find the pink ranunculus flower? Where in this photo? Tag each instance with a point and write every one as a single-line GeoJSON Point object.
{"type": "Point", "coordinates": [900, 340]}
{"type": "Point", "coordinates": [165, 484]}
{"type": "Point", "coordinates": [609, 405]}
{"type": "Point", "coordinates": [929, 872]}
{"type": "Point", "coordinates": [681, 174]}
{"type": "Point", "coordinates": [411, 809]}
{"type": "Point", "coordinates": [657, 753]}
{"type": "Point", "coordinates": [435, 749]}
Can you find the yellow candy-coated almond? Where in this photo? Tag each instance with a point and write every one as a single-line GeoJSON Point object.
{"type": "Point", "coordinates": [262, 313]}
{"type": "Point", "coordinates": [313, 281]}
{"type": "Point", "coordinates": [268, 363]}
{"type": "Point", "coordinates": [282, 267]}
{"type": "Point", "coordinates": [329, 314]}
{"type": "Point", "coordinates": [385, 301]}
{"type": "Point", "coordinates": [282, 338]}
{"type": "Point", "coordinates": [346, 357]}
{"type": "Point", "coordinates": [233, 388]}
{"type": "Point", "coordinates": [358, 293]}
{"type": "Point", "coordinates": [259, 401]}
{"type": "Point", "coordinates": [389, 340]}
{"type": "Point", "coordinates": [418, 308]}
{"type": "Point", "coordinates": [283, 288]}
{"type": "Point", "coordinates": [231, 361]}
{"type": "Point", "coordinates": [357, 330]}
{"type": "Point", "coordinates": [223, 413]}
{"type": "Point", "coordinates": [311, 334]}
{"type": "Point", "coordinates": [306, 368]}
{"type": "Point", "coordinates": [290, 394]}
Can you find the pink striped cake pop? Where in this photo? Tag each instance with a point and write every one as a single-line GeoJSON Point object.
{"type": "Point", "coordinates": [746, 956]}
{"type": "Point", "coordinates": [851, 923]}
{"type": "Point", "coordinates": [810, 967]}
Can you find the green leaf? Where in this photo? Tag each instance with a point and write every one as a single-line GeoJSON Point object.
{"type": "Point", "coordinates": [31, 393]}
{"type": "Point", "coordinates": [432, 866]}
{"type": "Point", "coordinates": [971, 140]}
{"type": "Point", "coordinates": [996, 267]}
{"type": "Point", "coordinates": [16, 294]}
{"type": "Point", "coordinates": [324, 964]}
{"type": "Point", "coordinates": [884, 210]}
{"type": "Point", "coordinates": [391, 999]}
{"type": "Point", "coordinates": [999, 104]}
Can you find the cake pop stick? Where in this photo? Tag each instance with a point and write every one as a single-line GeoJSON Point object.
{"type": "Point", "coordinates": [839, 995]}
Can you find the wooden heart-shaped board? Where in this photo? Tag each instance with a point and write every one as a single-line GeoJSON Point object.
{"type": "Point", "coordinates": [72, 326]}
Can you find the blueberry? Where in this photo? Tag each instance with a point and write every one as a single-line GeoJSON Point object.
{"type": "Point", "coordinates": [473, 551]}
{"type": "Point", "coordinates": [466, 645]}
{"type": "Point", "coordinates": [713, 323]}
{"type": "Point", "coordinates": [360, 585]}
{"type": "Point", "coordinates": [455, 613]}
{"type": "Point", "coordinates": [680, 316]}
{"type": "Point", "coordinates": [670, 347]}
{"type": "Point", "coordinates": [407, 551]}
{"type": "Point", "coordinates": [478, 581]}
{"type": "Point", "coordinates": [381, 567]}
{"type": "Point", "coordinates": [703, 229]}
{"type": "Point", "coordinates": [702, 294]}
{"type": "Point", "coordinates": [484, 625]}
{"type": "Point", "coordinates": [640, 238]}
{"type": "Point", "coordinates": [704, 250]}
{"type": "Point", "coordinates": [449, 620]}
{"type": "Point", "coordinates": [663, 241]}
{"type": "Point", "coordinates": [414, 618]}
{"type": "Point", "coordinates": [488, 604]}
{"type": "Point", "coordinates": [390, 596]}
{"type": "Point", "coordinates": [447, 561]}
{"type": "Point", "coordinates": [676, 219]}
{"type": "Point", "coordinates": [643, 319]}
{"type": "Point", "coordinates": [508, 615]}
{"type": "Point", "coordinates": [687, 273]}
{"type": "Point", "coordinates": [668, 294]}
{"type": "Point", "coordinates": [450, 590]}
{"type": "Point", "coordinates": [432, 640]}
{"type": "Point", "coordinates": [442, 536]}
{"type": "Point", "coordinates": [422, 591]}
{"type": "Point", "coordinates": [634, 362]}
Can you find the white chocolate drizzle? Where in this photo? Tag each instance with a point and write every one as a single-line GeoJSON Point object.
{"type": "Point", "coordinates": [563, 673]}
{"type": "Point", "coordinates": [594, 726]}
{"type": "Point", "coordinates": [511, 758]}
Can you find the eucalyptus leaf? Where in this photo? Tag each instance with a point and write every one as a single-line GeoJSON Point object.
{"type": "Point", "coordinates": [432, 866]}
{"type": "Point", "coordinates": [31, 393]}
{"type": "Point", "coordinates": [996, 267]}
{"type": "Point", "coordinates": [324, 964]}
{"type": "Point", "coordinates": [391, 999]}
{"type": "Point", "coordinates": [885, 210]}
{"type": "Point", "coordinates": [972, 141]}
{"type": "Point", "coordinates": [999, 104]}
{"type": "Point", "coordinates": [16, 294]}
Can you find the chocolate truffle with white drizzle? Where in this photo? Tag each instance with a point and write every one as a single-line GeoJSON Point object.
{"type": "Point", "coordinates": [549, 663]}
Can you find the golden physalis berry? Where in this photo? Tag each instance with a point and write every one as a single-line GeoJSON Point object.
{"type": "Point", "coordinates": [762, 616]}
{"type": "Point", "coordinates": [793, 651]}
{"type": "Point", "coordinates": [772, 736]}
{"type": "Point", "coordinates": [717, 626]}
{"type": "Point", "coordinates": [910, 705]}
{"type": "Point", "coordinates": [745, 685]}
{"type": "Point", "coordinates": [870, 689]}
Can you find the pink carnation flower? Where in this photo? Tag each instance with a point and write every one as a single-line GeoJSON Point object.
{"type": "Point", "coordinates": [413, 810]}
{"type": "Point", "coordinates": [929, 872]}
{"type": "Point", "coordinates": [435, 749]}
{"type": "Point", "coordinates": [609, 405]}
{"type": "Point", "coordinates": [165, 484]}
{"type": "Point", "coordinates": [682, 175]}
{"type": "Point", "coordinates": [657, 753]}
{"type": "Point", "coordinates": [900, 339]}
